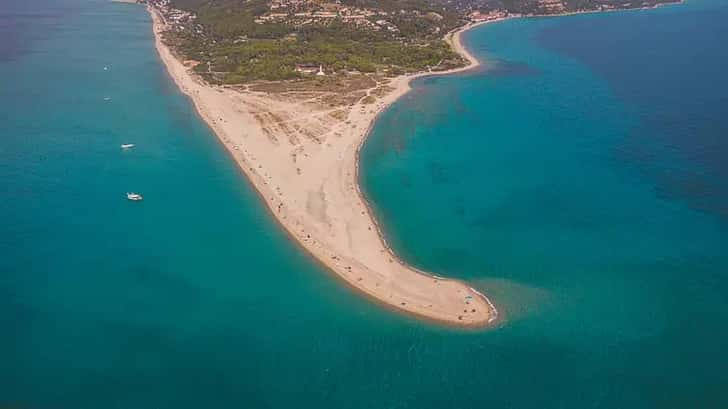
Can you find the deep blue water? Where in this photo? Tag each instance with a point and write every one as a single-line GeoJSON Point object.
{"type": "Point", "coordinates": [675, 92]}
{"type": "Point", "coordinates": [579, 192]}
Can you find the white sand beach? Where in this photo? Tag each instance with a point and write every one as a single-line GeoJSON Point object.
{"type": "Point", "coordinates": [300, 151]}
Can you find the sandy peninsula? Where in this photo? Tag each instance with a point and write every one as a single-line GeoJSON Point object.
{"type": "Point", "coordinates": [299, 148]}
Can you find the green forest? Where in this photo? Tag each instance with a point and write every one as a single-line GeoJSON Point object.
{"type": "Point", "coordinates": [234, 48]}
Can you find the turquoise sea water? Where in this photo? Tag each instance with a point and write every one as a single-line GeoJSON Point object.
{"type": "Point", "coordinates": [578, 179]}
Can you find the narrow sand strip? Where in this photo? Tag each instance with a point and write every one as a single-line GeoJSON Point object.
{"type": "Point", "coordinates": [302, 157]}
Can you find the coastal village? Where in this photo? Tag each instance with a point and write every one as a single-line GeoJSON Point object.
{"type": "Point", "coordinates": [301, 13]}
{"type": "Point", "coordinates": [177, 19]}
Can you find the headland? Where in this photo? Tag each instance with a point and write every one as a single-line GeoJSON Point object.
{"type": "Point", "coordinates": [299, 148]}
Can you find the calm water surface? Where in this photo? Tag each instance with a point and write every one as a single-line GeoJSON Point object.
{"type": "Point", "coordinates": [578, 179]}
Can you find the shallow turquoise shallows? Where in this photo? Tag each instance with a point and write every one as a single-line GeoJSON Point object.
{"type": "Point", "coordinates": [579, 178]}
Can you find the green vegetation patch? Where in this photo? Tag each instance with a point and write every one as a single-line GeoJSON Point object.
{"type": "Point", "coordinates": [235, 45]}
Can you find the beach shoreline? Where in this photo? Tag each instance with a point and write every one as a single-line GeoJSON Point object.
{"type": "Point", "coordinates": [365, 263]}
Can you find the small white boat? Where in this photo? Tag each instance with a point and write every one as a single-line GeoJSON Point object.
{"type": "Point", "coordinates": [127, 146]}
{"type": "Point", "coordinates": [106, 68]}
{"type": "Point", "coordinates": [107, 98]}
{"type": "Point", "coordinates": [134, 196]}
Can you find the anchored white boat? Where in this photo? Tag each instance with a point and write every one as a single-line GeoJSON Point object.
{"type": "Point", "coordinates": [127, 146]}
{"type": "Point", "coordinates": [134, 196]}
